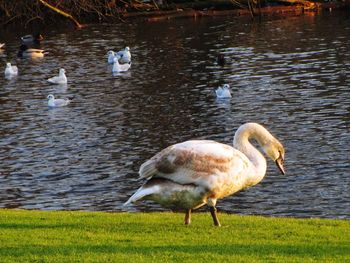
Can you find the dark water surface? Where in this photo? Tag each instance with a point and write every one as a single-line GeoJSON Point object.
{"type": "Point", "coordinates": [291, 75]}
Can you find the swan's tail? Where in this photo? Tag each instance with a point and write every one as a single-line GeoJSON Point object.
{"type": "Point", "coordinates": [141, 193]}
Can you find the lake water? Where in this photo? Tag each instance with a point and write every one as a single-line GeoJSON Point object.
{"type": "Point", "coordinates": [291, 75]}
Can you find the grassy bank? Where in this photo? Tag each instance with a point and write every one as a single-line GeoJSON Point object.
{"type": "Point", "coordinates": [28, 236]}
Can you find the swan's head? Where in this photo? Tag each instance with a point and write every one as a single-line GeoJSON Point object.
{"type": "Point", "coordinates": [110, 53]}
{"type": "Point", "coordinates": [127, 49]}
{"type": "Point", "coordinates": [275, 150]}
{"type": "Point", "coordinates": [62, 71]}
{"type": "Point", "coordinates": [226, 86]}
{"type": "Point", "coordinates": [8, 64]}
{"type": "Point", "coordinates": [50, 97]}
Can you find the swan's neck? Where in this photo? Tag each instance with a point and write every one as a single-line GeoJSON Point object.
{"type": "Point", "coordinates": [242, 143]}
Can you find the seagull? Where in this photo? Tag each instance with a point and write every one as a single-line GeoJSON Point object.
{"type": "Point", "coordinates": [124, 55]}
{"type": "Point", "coordinates": [52, 102]}
{"type": "Point", "coordinates": [191, 174]}
{"type": "Point", "coordinates": [60, 79]}
{"type": "Point", "coordinates": [25, 52]}
{"type": "Point", "coordinates": [223, 92]}
{"type": "Point", "coordinates": [30, 39]}
{"type": "Point", "coordinates": [111, 55]}
{"type": "Point", "coordinates": [120, 67]}
{"type": "Point", "coordinates": [10, 70]}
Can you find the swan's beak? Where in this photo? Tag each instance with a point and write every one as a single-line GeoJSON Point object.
{"type": "Point", "coordinates": [279, 163]}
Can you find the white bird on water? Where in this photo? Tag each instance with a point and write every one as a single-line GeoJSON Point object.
{"type": "Point", "coordinates": [124, 55]}
{"type": "Point", "coordinates": [223, 92]}
{"type": "Point", "coordinates": [10, 70]}
{"type": "Point", "coordinates": [60, 79]}
{"type": "Point", "coordinates": [111, 55]}
{"type": "Point", "coordinates": [52, 102]}
{"type": "Point", "coordinates": [193, 173]}
{"type": "Point", "coordinates": [120, 67]}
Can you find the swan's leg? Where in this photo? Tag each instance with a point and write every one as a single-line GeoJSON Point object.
{"type": "Point", "coordinates": [212, 204]}
{"type": "Point", "coordinates": [214, 216]}
{"type": "Point", "coordinates": [188, 217]}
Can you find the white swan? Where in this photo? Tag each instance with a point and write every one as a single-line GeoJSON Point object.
{"type": "Point", "coordinates": [124, 55]}
{"type": "Point", "coordinates": [52, 102]}
{"type": "Point", "coordinates": [223, 92]}
{"type": "Point", "coordinates": [191, 174]}
{"type": "Point", "coordinates": [60, 79]}
{"type": "Point", "coordinates": [120, 67]}
{"type": "Point", "coordinates": [10, 70]}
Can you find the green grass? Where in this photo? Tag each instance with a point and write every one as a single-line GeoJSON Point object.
{"type": "Point", "coordinates": [36, 236]}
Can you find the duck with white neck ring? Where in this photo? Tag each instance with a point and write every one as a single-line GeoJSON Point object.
{"type": "Point", "coordinates": [193, 173]}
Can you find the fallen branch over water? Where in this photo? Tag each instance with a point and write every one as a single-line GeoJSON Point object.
{"type": "Point", "coordinates": [61, 13]}
{"type": "Point", "coordinates": [83, 11]}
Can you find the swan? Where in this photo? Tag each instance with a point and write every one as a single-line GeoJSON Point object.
{"type": "Point", "coordinates": [25, 52]}
{"type": "Point", "coordinates": [52, 102]}
{"type": "Point", "coordinates": [124, 55]}
{"type": "Point", "coordinates": [2, 45]}
{"type": "Point", "coordinates": [120, 67]}
{"type": "Point", "coordinates": [60, 79]}
{"type": "Point", "coordinates": [193, 173]}
{"type": "Point", "coordinates": [10, 70]}
{"type": "Point", "coordinates": [30, 39]}
{"type": "Point", "coordinates": [223, 92]}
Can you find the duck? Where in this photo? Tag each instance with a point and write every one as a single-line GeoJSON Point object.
{"type": "Point", "coordinates": [120, 67]}
{"type": "Point", "coordinates": [124, 55]}
{"type": "Point", "coordinates": [194, 173]}
{"type": "Point", "coordinates": [60, 79]}
{"type": "Point", "coordinates": [223, 92]}
{"type": "Point", "coordinates": [25, 52]}
{"type": "Point", "coordinates": [53, 103]}
{"type": "Point", "coordinates": [32, 39]}
{"type": "Point", "coordinates": [10, 70]}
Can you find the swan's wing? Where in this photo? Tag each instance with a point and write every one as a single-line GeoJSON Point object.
{"type": "Point", "coordinates": [194, 161]}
